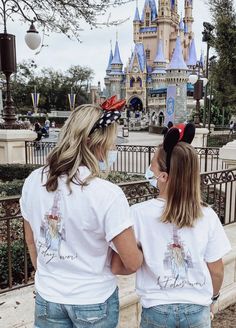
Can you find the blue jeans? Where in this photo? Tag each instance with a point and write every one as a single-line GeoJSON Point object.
{"type": "Point", "coordinates": [54, 315]}
{"type": "Point", "coordinates": [176, 316]}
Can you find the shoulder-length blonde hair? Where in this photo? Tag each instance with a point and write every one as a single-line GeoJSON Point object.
{"type": "Point", "coordinates": [183, 205]}
{"type": "Point", "coordinates": [76, 147]}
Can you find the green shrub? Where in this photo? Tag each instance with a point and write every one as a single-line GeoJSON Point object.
{"type": "Point", "coordinates": [10, 172]}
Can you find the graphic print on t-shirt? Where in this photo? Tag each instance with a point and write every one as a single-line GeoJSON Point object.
{"type": "Point", "coordinates": [177, 260]}
{"type": "Point", "coordinates": [52, 227]}
{"type": "Point", "coordinates": [179, 267]}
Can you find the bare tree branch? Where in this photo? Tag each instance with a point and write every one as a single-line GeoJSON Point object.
{"type": "Point", "coordinates": [63, 16]}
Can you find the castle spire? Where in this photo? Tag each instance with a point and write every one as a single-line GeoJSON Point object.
{"type": "Point", "coordinates": [160, 58]}
{"type": "Point", "coordinates": [136, 16]}
{"type": "Point", "coordinates": [177, 61]}
{"type": "Point", "coordinates": [116, 59]}
{"type": "Point", "coordinates": [192, 59]}
{"type": "Point", "coordinates": [110, 61]}
{"type": "Point", "coordinates": [152, 5]}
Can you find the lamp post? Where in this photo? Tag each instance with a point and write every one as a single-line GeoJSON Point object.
{"type": "Point", "coordinates": [199, 83]}
{"type": "Point", "coordinates": [8, 60]}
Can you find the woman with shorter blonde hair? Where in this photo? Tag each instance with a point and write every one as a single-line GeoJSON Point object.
{"type": "Point", "coordinates": [182, 239]}
{"type": "Point", "coordinates": [71, 215]}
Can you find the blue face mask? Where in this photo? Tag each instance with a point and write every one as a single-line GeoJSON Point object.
{"type": "Point", "coordinates": [149, 175]}
{"type": "Point", "coordinates": [112, 157]}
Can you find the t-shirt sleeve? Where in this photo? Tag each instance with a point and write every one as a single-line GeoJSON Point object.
{"type": "Point", "coordinates": [218, 244]}
{"type": "Point", "coordinates": [136, 223]}
{"type": "Point", "coordinates": [117, 217]}
{"type": "Point", "coordinates": [24, 201]}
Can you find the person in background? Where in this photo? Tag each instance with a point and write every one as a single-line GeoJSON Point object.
{"type": "Point", "coordinates": [231, 127]}
{"type": "Point", "coordinates": [182, 239]}
{"type": "Point", "coordinates": [72, 218]}
{"type": "Point", "coordinates": [167, 128]}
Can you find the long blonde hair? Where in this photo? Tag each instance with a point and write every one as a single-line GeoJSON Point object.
{"type": "Point", "coordinates": [183, 206]}
{"type": "Point", "coordinates": [77, 147]}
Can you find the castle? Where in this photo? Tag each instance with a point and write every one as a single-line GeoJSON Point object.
{"type": "Point", "coordinates": [156, 76]}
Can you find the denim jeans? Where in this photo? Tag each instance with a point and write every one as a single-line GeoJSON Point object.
{"type": "Point", "coordinates": [176, 316]}
{"type": "Point", "coordinates": [54, 315]}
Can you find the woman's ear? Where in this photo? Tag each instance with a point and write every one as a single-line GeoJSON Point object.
{"type": "Point", "coordinates": [164, 177]}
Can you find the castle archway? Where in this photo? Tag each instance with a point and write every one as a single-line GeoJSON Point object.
{"type": "Point", "coordinates": [135, 104]}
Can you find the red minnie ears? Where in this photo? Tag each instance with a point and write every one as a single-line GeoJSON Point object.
{"type": "Point", "coordinates": [112, 104]}
{"type": "Point", "coordinates": [180, 132]}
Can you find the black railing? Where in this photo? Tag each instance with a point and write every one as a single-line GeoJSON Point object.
{"type": "Point", "coordinates": [131, 158]}
{"type": "Point", "coordinates": [218, 190]}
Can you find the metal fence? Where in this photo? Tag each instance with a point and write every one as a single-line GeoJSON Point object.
{"type": "Point", "coordinates": [130, 159]}
{"type": "Point", "coordinates": [218, 190]}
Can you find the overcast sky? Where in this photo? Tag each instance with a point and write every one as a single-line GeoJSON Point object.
{"type": "Point", "coordinates": [95, 46]}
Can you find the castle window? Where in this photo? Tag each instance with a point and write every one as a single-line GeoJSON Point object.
{"type": "Point", "coordinates": [132, 80]}
{"type": "Point", "coordinates": [148, 54]}
{"type": "Point", "coordinates": [147, 23]}
{"type": "Point", "coordinates": [147, 15]}
{"type": "Point", "coordinates": [140, 81]}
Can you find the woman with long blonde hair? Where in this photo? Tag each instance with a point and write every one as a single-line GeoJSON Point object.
{"type": "Point", "coordinates": [71, 215]}
{"type": "Point", "coordinates": [182, 239]}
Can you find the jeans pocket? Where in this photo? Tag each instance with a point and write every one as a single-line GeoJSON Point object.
{"type": "Point", "coordinates": [198, 316]}
{"type": "Point", "coordinates": [154, 317]}
{"type": "Point", "coordinates": [90, 314]}
{"type": "Point", "coordinates": [40, 307]}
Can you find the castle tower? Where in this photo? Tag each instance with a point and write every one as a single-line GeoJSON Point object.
{"type": "Point", "coordinates": [148, 31]}
{"type": "Point", "coordinates": [188, 19]}
{"type": "Point", "coordinates": [107, 78]}
{"type": "Point", "coordinates": [177, 78]}
{"type": "Point", "coordinates": [165, 24]}
{"type": "Point", "coordinates": [159, 72]}
{"type": "Point", "coordinates": [174, 10]}
{"type": "Point", "coordinates": [116, 74]}
{"type": "Point", "coordinates": [136, 25]}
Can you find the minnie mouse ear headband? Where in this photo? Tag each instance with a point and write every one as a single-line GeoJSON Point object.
{"type": "Point", "coordinates": [111, 109]}
{"type": "Point", "coordinates": [180, 132]}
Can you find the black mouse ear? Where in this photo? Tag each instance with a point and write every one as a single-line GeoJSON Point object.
{"type": "Point", "coordinates": [171, 139]}
{"type": "Point", "coordinates": [189, 133]}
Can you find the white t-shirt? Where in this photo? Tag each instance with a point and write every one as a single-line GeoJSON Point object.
{"type": "Point", "coordinates": [175, 269]}
{"type": "Point", "coordinates": [72, 233]}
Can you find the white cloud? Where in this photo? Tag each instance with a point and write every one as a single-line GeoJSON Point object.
{"type": "Point", "coordinates": [94, 50]}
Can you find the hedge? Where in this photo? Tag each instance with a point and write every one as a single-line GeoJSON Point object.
{"type": "Point", "coordinates": [13, 175]}
{"type": "Point", "coordinates": [10, 172]}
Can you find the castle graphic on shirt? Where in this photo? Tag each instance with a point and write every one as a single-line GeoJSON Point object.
{"type": "Point", "coordinates": [52, 227]}
{"type": "Point", "coordinates": [177, 260]}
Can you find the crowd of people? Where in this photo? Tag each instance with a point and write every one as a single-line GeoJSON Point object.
{"type": "Point", "coordinates": [81, 232]}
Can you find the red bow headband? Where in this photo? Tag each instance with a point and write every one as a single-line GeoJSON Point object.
{"type": "Point", "coordinates": [111, 113]}
{"type": "Point", "coordinates": [180, 132]}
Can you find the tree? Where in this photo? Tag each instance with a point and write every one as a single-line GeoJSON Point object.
{"type": "Point", "coordinates": [63, 16]}
{"type": "Point", "coordinates": [53, 86]}
{"type": "Point", "coordinates": [224, 71]}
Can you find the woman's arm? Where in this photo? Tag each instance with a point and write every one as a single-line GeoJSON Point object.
{"type": "Point", "coordinates": [129, 258]}
{"type": "Point", "coordinates": [29, 238]}
{"type": "Point", "coordinates": [216, 270]}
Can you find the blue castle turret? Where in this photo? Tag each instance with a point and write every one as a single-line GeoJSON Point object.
{"type": "Point", "coordinates": [192, 58]}
{"type": "Point", "coordinates": [177, 78]}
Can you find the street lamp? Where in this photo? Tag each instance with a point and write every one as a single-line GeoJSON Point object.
{"type": "Point", "coordinates": [8, 63]}
{"type": "Point", "coordinates": [199, 83]}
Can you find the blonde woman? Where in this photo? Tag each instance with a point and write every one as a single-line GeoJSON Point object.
{"type": "Point", "coordinates": [182, 241]}
{"type": "Point", "coordinates": [71, 215]}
